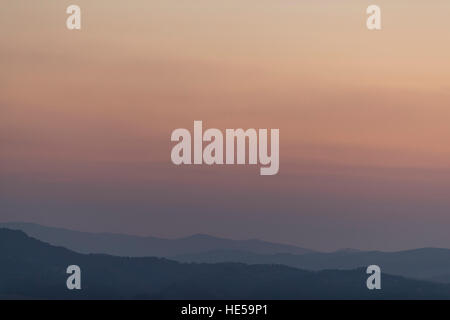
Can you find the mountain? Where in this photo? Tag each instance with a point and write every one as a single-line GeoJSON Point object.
{"type": "Point", "coordinates": [134, 246]}
{"type": "Point", "coordinates": [34, 269]}
{"type": "Point", "coordinates": [425, 263]}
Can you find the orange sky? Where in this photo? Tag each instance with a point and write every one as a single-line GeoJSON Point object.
{"type": "Point", "coordinates": [361, 114]}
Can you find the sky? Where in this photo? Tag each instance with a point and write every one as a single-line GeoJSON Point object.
{"type": "Point", "coordinates": [86, 118]}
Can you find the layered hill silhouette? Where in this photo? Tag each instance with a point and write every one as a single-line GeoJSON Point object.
{"type": "Point", "coordinates": [426, 263]}
{"type": "Point", "coordinates": [34, 269]}
{"type": "Point", "coordinates": [134, 246]}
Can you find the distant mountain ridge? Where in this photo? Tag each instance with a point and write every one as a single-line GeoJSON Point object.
{"type": "Point", "coordinates": [34, 269]}
{"type": "Point", "coordinates": [135, 246]}
{"type": "Point", "coordinates": [425, 263]}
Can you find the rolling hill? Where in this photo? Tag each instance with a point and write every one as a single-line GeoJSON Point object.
{"type": "Point", "coordinates": [34, 269]}
{"type": "Point", "coordinates": [426, 263]}
{"type": "Point", "coordinates": [134, 246]}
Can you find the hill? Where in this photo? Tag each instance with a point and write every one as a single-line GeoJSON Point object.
{"type": "Point", "coordinates": [134, 246]}
{"type": "Point", "coordinates": [34, 269]}
{"type": "Point", "coordinates": [426, 263]}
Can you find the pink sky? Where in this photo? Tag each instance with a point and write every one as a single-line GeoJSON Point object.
{"type": "Point", "coordinates": [86, 118]}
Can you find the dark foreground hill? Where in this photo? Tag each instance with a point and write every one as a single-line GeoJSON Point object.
{"type": "Point", "coordinates": [134, 246]}
{"type": "Point", "coordinates": [33, 269]}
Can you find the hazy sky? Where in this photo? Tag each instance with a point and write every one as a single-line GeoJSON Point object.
{"type": "Point", "coordinates": [364, 118]}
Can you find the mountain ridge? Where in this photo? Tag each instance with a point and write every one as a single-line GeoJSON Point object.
{"type": "Point", "coordinates": [421, 263]}
{"type": "Point", "coordinates": [129, 245]}
{"type": "Point", "coordinates": [33, 269]}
